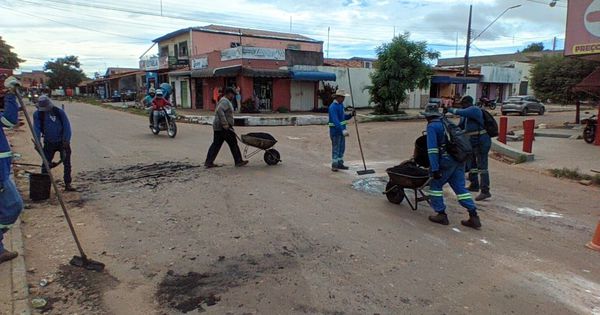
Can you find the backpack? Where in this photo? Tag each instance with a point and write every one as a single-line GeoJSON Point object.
{"type": "Point", "coordinates": [56, 113]}
{"type": "Point", "coordinates": [489, 123]}
{"type": "Point", "coordinates": [457, 144]}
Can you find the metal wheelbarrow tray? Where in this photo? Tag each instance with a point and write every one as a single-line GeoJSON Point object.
{"type": "Point", "coordinates": [262, 142]}
{"type": "Point", "coordinates": [395, 189]}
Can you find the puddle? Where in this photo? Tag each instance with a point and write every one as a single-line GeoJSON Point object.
{"type": "Point", "coordinates": [538, 213]}
{"type": "Point", "coordinates": [371, 185]}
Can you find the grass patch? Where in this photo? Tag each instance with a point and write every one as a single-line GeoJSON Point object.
{"type": "Point", "coordinates": [574, 174]}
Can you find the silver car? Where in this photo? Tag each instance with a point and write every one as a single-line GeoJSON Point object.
{"type": "Point", "coordinates": [522, 105]}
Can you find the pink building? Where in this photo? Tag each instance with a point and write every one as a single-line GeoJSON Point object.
{"type": "Point", "coordinates": [198, 61]}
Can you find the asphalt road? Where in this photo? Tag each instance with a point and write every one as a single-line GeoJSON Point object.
{"type": "Point", "coordinates": [298, 239]}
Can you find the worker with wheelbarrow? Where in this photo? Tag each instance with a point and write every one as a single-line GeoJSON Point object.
{"type": "Point", "coordinates": [445, 169]}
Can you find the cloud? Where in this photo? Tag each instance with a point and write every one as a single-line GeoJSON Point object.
{"type": "Point", "coordinates": [109, 38]}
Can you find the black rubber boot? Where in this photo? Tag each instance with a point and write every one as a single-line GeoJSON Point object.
{"type": "Point", "coordinates": [483, 196]}
{"type": "Point", "coordinates": [473, 222]}
{"type": "Point", "coordinates": [8, 256]}
{"type": "Point", "coordinates": [440, 218]}
{"type": "Point", "coordinates": [473, 188]}
{"type": "Point", "coordinates": [341, 166]}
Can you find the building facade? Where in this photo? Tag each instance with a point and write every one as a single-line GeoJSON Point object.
{"type": "Point", "coordinates": [199, 62]}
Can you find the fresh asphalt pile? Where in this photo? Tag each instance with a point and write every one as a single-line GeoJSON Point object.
{"type": "Point", "coordinates": [143, 175]}
{"type": "Point", "coordinates": [408, 168]}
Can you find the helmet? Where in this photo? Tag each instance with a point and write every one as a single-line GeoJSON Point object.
{"type": "Point", "coordinates": [159, 92]}
{"type": "Point", "coordinates": [152, 91]}
{"type": "Point", "coordinates": [466, 100]}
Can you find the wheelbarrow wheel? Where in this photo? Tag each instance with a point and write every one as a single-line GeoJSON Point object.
{"type": "Point", "coordinates": [394, 195]}
{"type": "Point", "coordinates": [272, 157]}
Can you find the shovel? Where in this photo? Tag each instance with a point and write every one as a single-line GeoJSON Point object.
{"type": "Point", "coordinates": [79, 261]}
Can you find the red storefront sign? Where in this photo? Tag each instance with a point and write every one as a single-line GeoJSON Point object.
{"type": "Point", "coordinates": [583, 28]}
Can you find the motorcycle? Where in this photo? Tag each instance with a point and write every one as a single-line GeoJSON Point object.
{"type": "Point", "coordinates": [591, 126]}
{"type": "Point", "coordinates": [484, 102]}
{"type": "Point", "coordinates": [166, 122]}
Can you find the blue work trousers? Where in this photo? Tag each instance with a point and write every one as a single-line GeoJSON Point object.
{"type": "Point", "coordinates": [338, 147]}
{"type": "Point", "coordinates": [453, 173]}
{"type": "Point", "coordinates": [11, 206]}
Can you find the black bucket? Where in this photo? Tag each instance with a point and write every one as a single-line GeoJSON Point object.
{"type": "Point", "coordinates": [39, 187]}
{"type": "Point", "coordinates": [421, 156]}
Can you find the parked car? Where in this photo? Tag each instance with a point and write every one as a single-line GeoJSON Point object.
{"type": "Point", "coordinates": [522, 105]}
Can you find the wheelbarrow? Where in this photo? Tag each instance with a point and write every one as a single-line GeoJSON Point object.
{"type": "Point", "coordinates": [416, 180]}
{"type": "Point", "coordinates": [260, 141]}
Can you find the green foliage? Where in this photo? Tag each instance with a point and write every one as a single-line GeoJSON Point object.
{"type": "Point", "coordinates": [534, 47]}
{"type": "Point", "coordinates": [64, 72]}
{"type": "Point", "coordinates": [554, 77]}
{"type": "Point", "coordinates": [574, 174]}
{"type": "Point", "coordinates": [8, 59]}
{"type": "Point", "coordinates": [401, 67]}
{"type": "Point", "coordinates": [325, 94]}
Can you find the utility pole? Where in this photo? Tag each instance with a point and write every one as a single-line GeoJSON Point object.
{"type": "Point", "coordinates": [290, 23]}
{"type": "Point", "coordinates": [456, 52]}
{"type": "Point", "coordinates": [328, 30]}
{"type": "Point", "coordinates": [161, 11]}
{"type": "Point", "coordinates": [394, 31]}
{"type": "Point", "coordinates": [554, 44]}
{"type": "Point", "coordinates": [468, 42]}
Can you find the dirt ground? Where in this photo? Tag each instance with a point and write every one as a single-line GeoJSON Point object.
{"type": "Point", "coordinates": [296, 238]}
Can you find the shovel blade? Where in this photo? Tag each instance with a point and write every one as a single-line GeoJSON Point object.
{"type": "Point", "coordinates": [87, 263]}
{"type": "Point", "coordinates": [365, 172]}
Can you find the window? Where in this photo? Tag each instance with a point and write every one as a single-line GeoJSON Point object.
{"type": "Point", "coordinates": [183, 49]}
{"type": "Point", "coordinates": [234, 44]}
{"type": "Point", "coordinates": [368, 64]}
{"type": "Point", "coordinates": [164, 51]}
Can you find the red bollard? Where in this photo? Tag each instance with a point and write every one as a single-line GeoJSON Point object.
{"type": "Point", "coordinates": [597, 141]}
{"type": "Point", "coordinates": [503, 127]}
{"type": "Point", "coordinates": [528, 127]}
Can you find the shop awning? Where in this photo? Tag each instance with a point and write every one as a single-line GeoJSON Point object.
{"type": "Point", "coordinates": [236, 70]}
{"type": "Point", "coordinates": [312, 76]}
{"type": "Point", "coordinates": [265, 73]}
{"type": "Point", "coordinates": [590, 84]}
{"type": "Point", "coordinates": [437, 79]}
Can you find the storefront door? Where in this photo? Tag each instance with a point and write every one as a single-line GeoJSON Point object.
{"type": "Point", "coordinates": [199, 95]}
{"type": "Point", "coordinates": [184, 89]}
{"type": "Point", "coordinates": [263, 93]}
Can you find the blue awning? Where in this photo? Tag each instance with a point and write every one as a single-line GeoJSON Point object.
{"type": "Point", "coordinates": [437, 79]}
{"type": "Point", "coordinates": [312, 76]}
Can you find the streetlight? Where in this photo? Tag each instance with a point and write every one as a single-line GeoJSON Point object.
{"type": "Point", "coordinates": [470, 41]}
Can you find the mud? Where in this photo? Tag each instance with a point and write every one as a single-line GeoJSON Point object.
{"type": "Point", "coordinates": [187, 292]}
{"type": "Point", "coordinates": [141, 175]}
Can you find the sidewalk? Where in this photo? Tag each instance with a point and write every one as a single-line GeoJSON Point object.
{"type": "Point", "coordinates": [14, 291]}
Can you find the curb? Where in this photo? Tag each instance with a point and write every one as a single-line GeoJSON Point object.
{"type": "Point", "coordinates": [511, 152]}
{"type": "Point", "coordinates": [20, 288]}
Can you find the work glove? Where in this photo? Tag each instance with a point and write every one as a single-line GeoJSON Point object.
{"type": "Point", "coordinates": [12, 83]}
{"type": "Point", "coordinates": [353, 113]}
{"type": "Point", "coordinates": [436, 175]}
{"type": "Point", "coordinates": [345, 133]}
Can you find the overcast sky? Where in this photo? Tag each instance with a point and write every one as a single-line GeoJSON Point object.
{"type": "Point", "coordinates": [115, 33]}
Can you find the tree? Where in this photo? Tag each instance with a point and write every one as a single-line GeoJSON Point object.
{"type": "Point", "coordinates": [533, 47]}
{"type": "Point", "coordinates": [64, 72]}
{"type": "Point", "coordinates": [554, 77]}
{"type": "Point", "coordinates": [401, 67]}
{"type": "Point", "coordinates": [8, 59]}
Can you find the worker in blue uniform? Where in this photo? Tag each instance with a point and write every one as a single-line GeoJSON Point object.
{"type": "Point", "coordinates": [472, 123]}
{"type": "Point", "coordinates": [11, 203]}
{"type": "Point", "coordinates": [444, 169]}
{"type": "Point", "coordinates": [338, 120]}
{"type": "Point", "coordinates": [52, 124]}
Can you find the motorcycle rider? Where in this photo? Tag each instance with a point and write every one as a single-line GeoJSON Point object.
{"type": "Point", "coordinates": [445, 169]}
{"type": "Point", "coordinates": [472, 122]}
{"type": "Point", "coordinates": [11, 203]}
{"type": "Point", "coordinates": [147, 101]}
{"type": "Point", "coordinates": [158, 104]}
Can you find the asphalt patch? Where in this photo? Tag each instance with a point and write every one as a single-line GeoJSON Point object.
{"type": "Point", "coordinates": [193, 291]}
{"type": "Point", "coordinates": [142, 175]}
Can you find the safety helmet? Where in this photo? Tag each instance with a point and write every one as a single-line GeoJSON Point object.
{"type": "Point", "coordinates": [152, 91]}
{"type": "Point", "coordinates": [159, 92]}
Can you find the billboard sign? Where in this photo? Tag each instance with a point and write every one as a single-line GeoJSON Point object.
{"type": "Point", "coordinates": [583, 28]}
